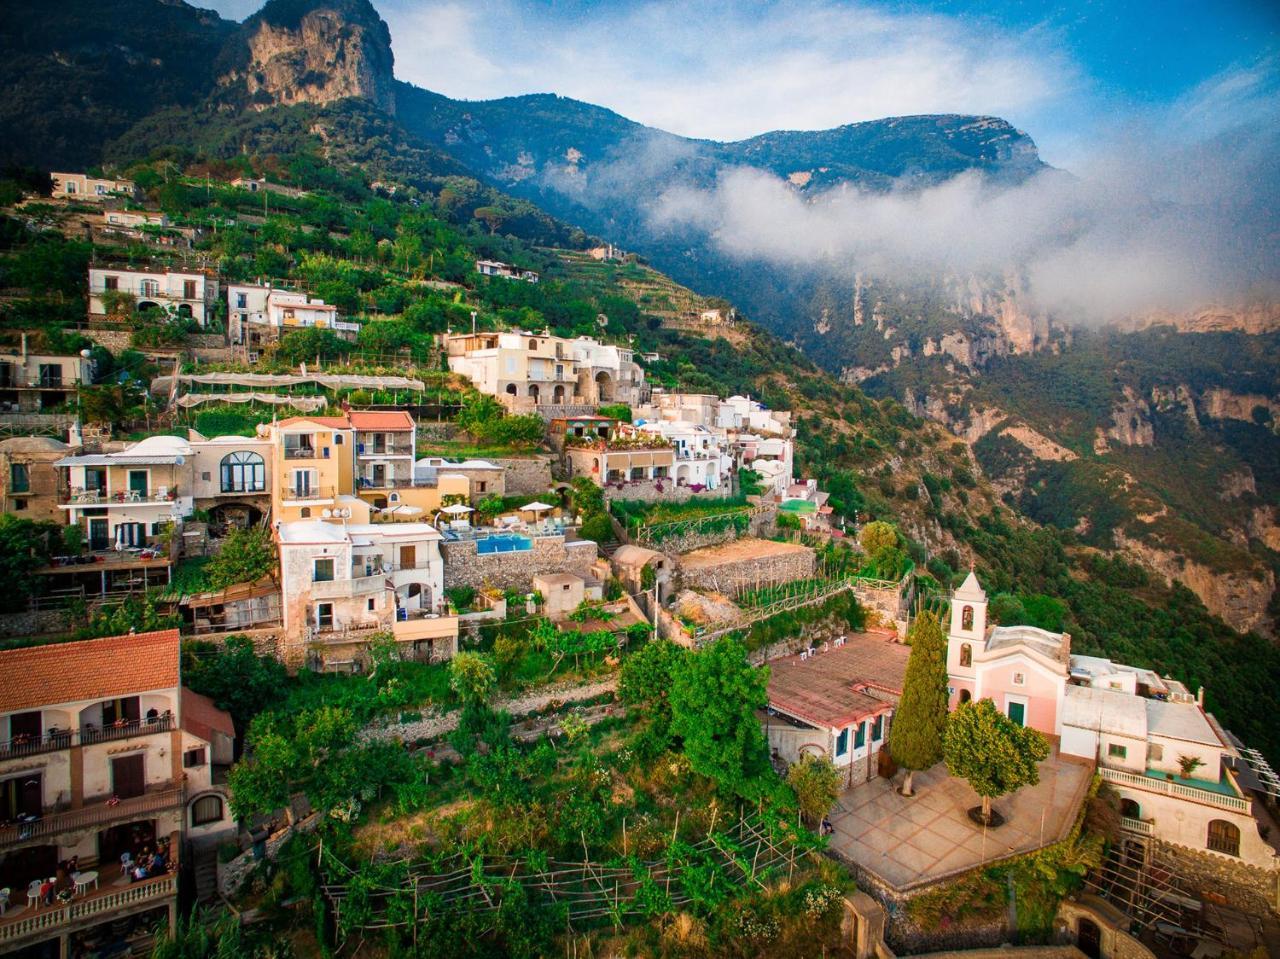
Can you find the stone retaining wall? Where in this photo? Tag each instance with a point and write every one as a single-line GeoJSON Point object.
{"type": "Point", "coordinates": [1221, 878]}
{"type": "Point", "coordinates": [527, 475]}
{"type": "Point", "coordinates": [663, 491]}
{"type": "Point", "coordinates": [266, 642]}
{"type": "Point", "coordinates": [232, 875]}
{"type": "Point", "coordinates": [34, 623]}
{"type": "Point", "coordinates": [730, 577]}
{"type": "Point", "coordinates": [464, 566]}
{"type": "Point", "coordinates": [761, 525]}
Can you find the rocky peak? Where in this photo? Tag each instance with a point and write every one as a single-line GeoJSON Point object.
{"type": "Point", "coordinates": [317, 51]}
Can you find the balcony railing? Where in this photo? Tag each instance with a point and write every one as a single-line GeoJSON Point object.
{"type": "Point", "coordinates": [100, 812]}
{"type": "Point", "coordinates": [404, 448]}
{"type": "Point", "coordinates": [94, 497]}
{"type": "Point", "coordinates": [397, 482]}
{"type": "Point", "coordinates": [300, 452]}
{"type": "Point", "coordinates": [1208, 797]}
{"type": "Point", "coordinates": [1140, 826]}
{"type": "Point", "coordinates": [55, 739]}
{"type": "Point", "coordinates": [49, 920]}
{"type": "Point", "coordinates": [308, 493]}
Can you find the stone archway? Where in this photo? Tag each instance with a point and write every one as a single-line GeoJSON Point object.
{"type": "Point", "coordinates": [604, 387]}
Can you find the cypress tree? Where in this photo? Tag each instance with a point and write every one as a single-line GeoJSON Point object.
{"type": "Point", "coordinates": [915, 738]}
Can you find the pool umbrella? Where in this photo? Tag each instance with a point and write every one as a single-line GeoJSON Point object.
{"type": "Point", "coordinates": [536, 507]}
{"type": "Point", "coordinates": [457, 509]}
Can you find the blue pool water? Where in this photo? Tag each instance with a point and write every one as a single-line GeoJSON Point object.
{"type": "Point", "coordinates": [504, 543]}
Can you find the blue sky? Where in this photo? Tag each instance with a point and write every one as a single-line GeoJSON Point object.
{"type": "Point", "coordinates": [1072, 75]}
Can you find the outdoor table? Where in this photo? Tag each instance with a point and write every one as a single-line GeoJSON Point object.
{"type": "Point", "coordinates": [83, 879]}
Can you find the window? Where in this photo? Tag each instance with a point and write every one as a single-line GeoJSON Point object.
{"type": "Point", "coordinates": [966, 618]}
{"type": "Point", "coordinates": [1155, 752]}
{"type": "Point", "coordinates": [19, 478]}
{"type": "Point", "coordinates": [369, 606]}
{"type": "Point", "coordinates": [877, 730]}
{"type": "Point", "coordinates": [323, 571]}
{"type": "Point", "coordinates": [193, 758]}
{"type": "Point", "coordinates": [1224, 837]}
{"type": "Point", "coordinates": [324, 615]}
{"type": "Point", "coordinates": [150, 288]}
{"type": "Point", "coordinates": [51, 374]}
{"type": "Point", "coordinates": [860, 739]}
{"type": "Point", "coordinates": [71, 186]}
{"type": "Point", "coordinates": [482, 487]}
{"type": "Point", "coordinates": [305, 512]}
{"type": "Point", "coordinates": [337, 441]}
{"type": "Point", "coordinates": [242, 301]}
{"type": "Point", "coordinates": [205, 810]}
{"type": "Point", "coordinates": [1116, 751]}
{"type": "Point", "coordinates": [966, 655]}
{"type": "Point", "coordinates": [188, 289]}
{"type": "Point", "coordinates": [243, 472]}
{"type": "Point", "coordinates": [19, 505]}
{"type": "Point", "coordinates": [111, 282]}
{"type": "Point", "coordinates": [842, 742]}
{"type": "Point", "coordinates": [1019, 679]}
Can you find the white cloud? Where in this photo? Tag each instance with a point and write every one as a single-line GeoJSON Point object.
{"type": "Point", "coordinates": [727, 70]}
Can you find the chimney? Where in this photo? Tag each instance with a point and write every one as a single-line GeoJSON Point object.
{"type": "Point", "coordinates": [1200, 696]}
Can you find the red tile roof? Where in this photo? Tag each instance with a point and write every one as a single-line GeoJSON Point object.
{"type": "Point", "coordinates": [838, 687]}
{"type": "Point", "coordinates": [202, 718]}
{"type": "Point", "coordinates": [380, 420]}
{"type": "Point", "coordinates": [88, 670]}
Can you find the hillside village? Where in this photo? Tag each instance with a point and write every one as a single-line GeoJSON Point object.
{"type": "Point", "coordinates": [377, 582]}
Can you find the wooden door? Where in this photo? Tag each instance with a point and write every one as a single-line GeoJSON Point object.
{"type": "Point", "coordinates": [408, 557]}
{"type": "Point", "coordinates": [99, 534]}
{"type": "Point", "coordinates": [138, 482]}
{"type": "Point", "coordinates": [128, 776]}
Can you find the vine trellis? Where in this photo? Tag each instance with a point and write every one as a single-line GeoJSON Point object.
{"type": "Point", "coordinates": [751, 850]}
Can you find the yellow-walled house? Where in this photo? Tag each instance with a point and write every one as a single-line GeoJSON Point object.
{"type": "Point", "coordinates": [313, 464]}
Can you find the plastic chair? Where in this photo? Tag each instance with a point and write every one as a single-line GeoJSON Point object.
{"type": "Point", "coordinates": [33, 894]}
{"type": "Point", "coordinates": [4, 900]}
{"type": "Point", "coordinates": [126, 863]}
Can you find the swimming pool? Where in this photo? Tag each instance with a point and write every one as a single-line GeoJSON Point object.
{"type": "Point", "coordinates": [503, 543]}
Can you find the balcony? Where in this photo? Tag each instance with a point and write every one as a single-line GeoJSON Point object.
{"type": "Point", "coordinates": [420, 626]}
{"type": "Point", "coordinates": [49, 921]}
{"type": "Point", "coordinates": [57, 739]}
{"type": "Point", "coordinates": [397, 482]}
{"type": "Point", "coordinates": [100, 812]}
{"type": "Point", "coordinates": [300, 452]}
{"type": "Point", "coordinates": [1208, 794]}
{"type": "Point", "coordinates": [310, 493]}
{"type": "Point", "coordinates": [326, 589]}
{"type": "Point", "coordinates": [1139, 826]}
{"type": "Point", "coordinates": [366, 449]}
{"type": "Point", "coordinates": [160, 496]}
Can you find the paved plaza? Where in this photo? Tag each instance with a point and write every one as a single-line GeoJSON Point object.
{"type": "Point", "coordinates": [910, 842]}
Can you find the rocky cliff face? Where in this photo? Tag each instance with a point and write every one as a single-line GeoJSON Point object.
{"type": "Point", "coordinates": [1240, 600]}
{"type": "Point", "coordinates": [317, 53]}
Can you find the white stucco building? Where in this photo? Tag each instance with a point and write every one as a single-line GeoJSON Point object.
{"type": "Point", "coordinates": [185, 293]}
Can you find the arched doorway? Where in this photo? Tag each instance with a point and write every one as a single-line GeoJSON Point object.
{"type": "Point", "coordinates": [965, 696]}
{"type": "Point", "coordinates": [557, 395]}
{"type": "Point", "coordinates": [1130, 809]}
{"type": "Point", "coordinates": [184, 311]}
{"type": "Point", "coordinates": [146, 306]}
{"type": "Point", "coordinates": [511, 389]}
{"type": "Point", "coordinates": [533, 392]}
{"type": "Point", "coordinates": [604, 387]}
{"type": "Point", "coordinates": [1089, 938]}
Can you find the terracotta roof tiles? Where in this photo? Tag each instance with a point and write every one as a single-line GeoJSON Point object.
{"type": "Point", "coordinates": [380, 420]}
{"type": "Point", "coordinates": [89, 669]}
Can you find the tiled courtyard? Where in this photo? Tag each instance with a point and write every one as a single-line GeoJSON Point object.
{"type": "Point", "coordinates": [909, 842]}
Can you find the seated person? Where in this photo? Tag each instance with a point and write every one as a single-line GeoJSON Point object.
{"type": "Point", "coordinates": [159, 863]}
{"type": "Point", "coordinates": [46, 890]}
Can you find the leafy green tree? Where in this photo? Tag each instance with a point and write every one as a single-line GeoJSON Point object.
{"type": "Point", "coordinates": [1007, 610]}
{"type": "Point", "coordinates": [24, 546]}
{"type": "Point", "coordinates": [246, 556]}
{"type": "Point", "coordinates": [915, 737]}
{"type": "Point", "coordinates": [714, 697]}
{"type": "Point", "coordinates": [234, 676]}
{"type": "Point", "coordinates": [303, 346]}
{"type": "Point", "coordinates": [586, 496]}
{"type": "Point", "coordinates": [991, 751]}
{"type": "Point", "coordinates": [876, 536]}
{"type": "Point", "coordinates": [645, 681]}
{"type": "Point", "coordinates": [471, 676]}
{"type": "Point", "coordinates": [816, 783]}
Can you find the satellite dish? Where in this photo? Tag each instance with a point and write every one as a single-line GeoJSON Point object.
{"type": "Point", "coordinates": [327, 514]}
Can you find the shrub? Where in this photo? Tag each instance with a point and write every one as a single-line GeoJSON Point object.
{"type": "Point", "coordinates": [597, 528]}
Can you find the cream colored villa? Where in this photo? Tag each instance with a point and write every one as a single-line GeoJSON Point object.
{"type": "Point", "coordinates": [103, 755]}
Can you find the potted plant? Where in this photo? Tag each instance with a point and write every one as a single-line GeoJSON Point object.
{"type": "Point", "coordinates": [1187, 765]}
